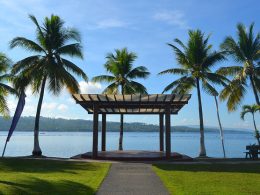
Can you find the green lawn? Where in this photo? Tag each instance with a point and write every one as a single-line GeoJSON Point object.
{"type": "Point", "coordinates": [20, 176]}
{"type": "Point", "coordinates": [210, 179]}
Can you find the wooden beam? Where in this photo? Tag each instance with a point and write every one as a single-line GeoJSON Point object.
{"type": "Point", "coordinates": [168, 131]}
{"type": "Point", "coordinates": [161, 133]}
{"type": "Point", "coordinates": [95, 132]}
{"type": "Point", "coordinates": [103, 146]}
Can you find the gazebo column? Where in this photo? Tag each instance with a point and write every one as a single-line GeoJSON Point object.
{"type": "Point", "coordinates": [95, 132]}
{"type": "Point", "coordinates": [103, 147]}
{"type": "Point", "coordinates": [161, 133]}
{"type": "Point", "coordinates": [168, 131]}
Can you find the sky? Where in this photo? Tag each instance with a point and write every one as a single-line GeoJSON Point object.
{"type": "Point", "coordinates": [144, 27]}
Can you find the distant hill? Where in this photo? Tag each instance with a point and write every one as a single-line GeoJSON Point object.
{"type": "Point", "coordinates": [79, 125]}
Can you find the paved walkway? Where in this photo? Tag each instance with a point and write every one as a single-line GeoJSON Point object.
{"type": "Point", "coordinates": [132, 179]}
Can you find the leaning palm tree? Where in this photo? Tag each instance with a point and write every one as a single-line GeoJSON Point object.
{"type": "Point", "coordinates": [121, 78]}
{"type": "Point", "coordinates": [4, 88]}
{"type": "Point", "coordinates": [251, 109]}
{"type": "Point", "coordinates": [195, 60]}
{"type": "Point", "coordinates": [219, 123]}
{"type": "Point", "coordinates": [48, 66]}
{"type": "Point", "coordinates": [246, 52]}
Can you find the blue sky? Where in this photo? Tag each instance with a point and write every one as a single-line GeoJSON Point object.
{"type": "Point", "coordinates": [144, 27]}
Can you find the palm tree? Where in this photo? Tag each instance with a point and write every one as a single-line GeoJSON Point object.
{"type": "Point", "coordinates": [48, 66]}
{"type": "Point", "coordinates": [246, 52]}
{"type": "Point", "coordinates": [4, 88]}
{"type": "Point", "coordinates": [121, 78]}
{"type": "Point", "coordinates": [251, 109]}
{"type": "Point", "coordinates": [195, 60]}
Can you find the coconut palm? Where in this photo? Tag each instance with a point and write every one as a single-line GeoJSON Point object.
{"type": "Point", "coordinates": [246, 52]}
{"type": "Point", "coordinates": [4, 88]}
{"type": "Point", "coordinates": [48, 66]}
{"type": "Point", "coordinates": [195, 60]}
{"type": "Point", "coordinates": [251, 109]}
{"type": "Point", "coordinates": [121, 78]}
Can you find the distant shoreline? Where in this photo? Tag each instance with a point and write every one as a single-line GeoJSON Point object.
{"type": "Point", "coordinates": [26, 124]}
{"type": "Point", "coordinates": [140, 131]}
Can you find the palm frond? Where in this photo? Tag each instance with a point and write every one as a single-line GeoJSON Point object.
{"type": "Point", "coordinates": [208, 88]}
{"type": "Point", "coordinates": [234, 92]}
{"type": "Point", "coordinates": [138, 72]}
{"type": "Point", "coordinates": [4, 110]}
{"type": "Point", "coordinates": [229, 45]}
{"type": "Point", "coordinates": [213, 58]}
{"type": "Point", "coordinates": [25, 63]}
{"type": "Point", "coordinates": [175, 71]}
{"type": "Point", "coordinates": [111, 89]}
{"type": "Point", "coordinates": [26, 44]}
{"type": "Point", "coordinates": [7, 88]}
{"type": "Point", "coordinates": [242, 114]}
{"type": "Point", "coordinates": [74, 68]}
{"type": "Point", "coordinates": [180, 55]}
{"type": "Point", "coordinates": [72, 50]}
{"type": "Point", "coordinates": [138, 88]}
{"type": "Point", "coordinates": [104, 78]}
{"type": "Point", "coordinates": [4, 62]}
{"type": "Point", "coordinates": [229, 71]}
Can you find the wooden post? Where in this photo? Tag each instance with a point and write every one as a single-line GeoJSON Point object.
{"type": "Point", "coordinates": [168, 131]}
{"type": "Point", "coordinates": [103, 147]}
{"type": "Point", "coordinates": [95, 132]}
{"type": "Point", "coordinates": [161, 133]}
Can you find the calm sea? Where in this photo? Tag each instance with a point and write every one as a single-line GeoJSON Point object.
{"type": "Point", "coordinates": [67, 144]}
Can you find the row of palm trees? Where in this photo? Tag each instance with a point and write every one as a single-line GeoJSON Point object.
{"type": "Point", "coordinates": [48, 68]}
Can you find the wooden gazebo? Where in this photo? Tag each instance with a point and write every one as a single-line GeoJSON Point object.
{"type": "Point", "coordinates": [159, 104]}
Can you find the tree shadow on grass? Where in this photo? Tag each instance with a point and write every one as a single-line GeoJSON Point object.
{"type": "Point", "coordinates": [233, 168]}
{"type": "Point", "coordinates": [45, 166]}
{"type": "Point", "coordinates": [39, 186]}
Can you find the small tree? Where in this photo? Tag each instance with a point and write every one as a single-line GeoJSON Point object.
{"type": "Point", "coordinates": [251, 109]}
{"type": "Point", "coordinates": [121, 78]}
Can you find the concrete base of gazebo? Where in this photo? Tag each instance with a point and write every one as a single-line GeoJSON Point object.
{"type": "Point", "coordinates": [133, 155]}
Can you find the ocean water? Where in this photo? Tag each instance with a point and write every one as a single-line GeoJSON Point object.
{"type": "Point", "coordinates": [67, 144]}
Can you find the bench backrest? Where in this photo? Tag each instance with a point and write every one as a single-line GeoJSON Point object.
{"type": "Point", "coordinates": [256, 147]}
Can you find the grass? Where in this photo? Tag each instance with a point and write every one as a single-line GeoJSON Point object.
{"type": "Point", "coordinates": [24, 176]}
{"type": "Point", "coordinates": [235, 179]}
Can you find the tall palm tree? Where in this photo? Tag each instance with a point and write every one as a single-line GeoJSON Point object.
{"type": "Point", "coordinates": [48, 66]}
{"type": "Point", "coordinates": [251, 109]}
{"type": "Point", "coordinates": [246, 52]}
{"type": "Point", "coordinates": [121, 78]}
{"type": "Point", "coordinates": [195, 60]}
{"type": "Point", "coordinates": [4, 88]}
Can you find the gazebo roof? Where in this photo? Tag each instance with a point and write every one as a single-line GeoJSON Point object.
{"type": "Point", "coordinates": [132, 104]}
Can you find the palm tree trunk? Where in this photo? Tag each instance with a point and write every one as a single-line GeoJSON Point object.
{"type": "Point", "coordinates": [36, 147]}
{"type": "Point", "coordinates": [120, 145]}
{"type": "Point", "coordinates": [254, 90]}
{"type": "Point", "coordinates": [202, 141]}
{"type": "Point", "coordinates": [220, 128]}
{"type": "Point", "coordinates": [121, 132]}
{"type": "Point", "coordinates": [256, 131]}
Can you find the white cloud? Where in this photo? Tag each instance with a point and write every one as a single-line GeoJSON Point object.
{"type": "Point", "coordinates": [49, 106]}
{"type": "Point", "coordinates": [11, 105]}
{"type": "Point", "coordinates": [90, 87]}
{"type": "Point", "coordinates": [175, 17]}
{"type": "Point", "coordinates": [110, 23]}
{"type": "Point", "coordinates": [62, 107]}
{"type": "Point", "coordinates": [71, 100]}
